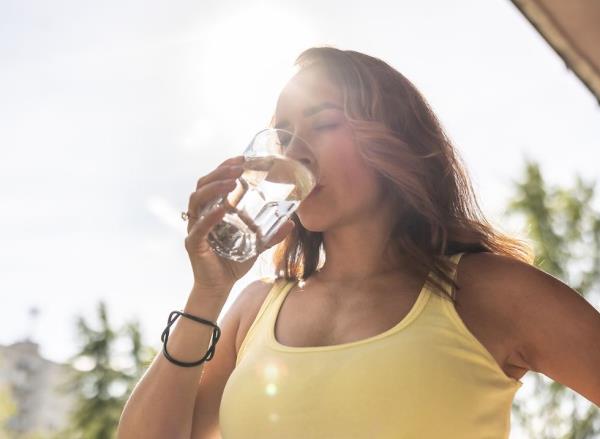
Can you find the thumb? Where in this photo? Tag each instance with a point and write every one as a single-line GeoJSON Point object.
{"type": "Point", "coordinates": [280, 235]}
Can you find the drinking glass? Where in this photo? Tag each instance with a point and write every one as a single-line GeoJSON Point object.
{"type": "Point", "coordinates": [270, 189]}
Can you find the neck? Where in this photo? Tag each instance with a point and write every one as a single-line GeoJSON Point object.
{"type": "Point", "coordinates": [359, 253]}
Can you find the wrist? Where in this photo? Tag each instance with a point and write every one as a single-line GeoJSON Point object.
{"type": "Point", "coordinates": [198, 320]}
{"type": "Point", "coordinates": [206, 303]}
{"type": "Point", "coordinates": [199, 288]}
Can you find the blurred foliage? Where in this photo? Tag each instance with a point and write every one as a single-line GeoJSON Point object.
{"type": "Point", "coordinates": [565, 232]}
{"type": "Point", "coordinates": [104, 385]}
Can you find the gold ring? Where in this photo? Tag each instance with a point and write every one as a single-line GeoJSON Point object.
{"type": "Point", "coordinates": [186, 216]}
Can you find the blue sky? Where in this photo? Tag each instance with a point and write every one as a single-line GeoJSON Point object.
{"type": "Point", "coordinates": [111, 111]}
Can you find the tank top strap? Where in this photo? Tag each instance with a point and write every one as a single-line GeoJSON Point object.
{"type": "Point", "coordinates": [454, 259]}
{"type": "Point", "coordinates": [279, 285]}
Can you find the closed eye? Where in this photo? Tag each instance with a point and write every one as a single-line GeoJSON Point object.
{"type": "Point", "coordinates": [322, 127]}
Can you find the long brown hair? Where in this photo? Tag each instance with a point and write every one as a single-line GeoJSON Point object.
{"type": "Point", "coordinates": [398, 135]}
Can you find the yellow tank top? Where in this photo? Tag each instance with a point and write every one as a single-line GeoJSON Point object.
{"type": "Point", "coordinates": [427, 377]}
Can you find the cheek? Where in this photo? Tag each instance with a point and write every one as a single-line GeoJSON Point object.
{"type": "Point", "coordinates": [350, 192]}
{"type": "Point", "coordinates": [354, 174]}
{"type": "Point", "coordinates": [347, 179]}
{"type": "Point", "coordinates": [341, 161]}
{"type": "Point", "coordinates": [353, 189]}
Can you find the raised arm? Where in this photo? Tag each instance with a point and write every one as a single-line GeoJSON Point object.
{"type": "Point", "coordinates": [162, 403]}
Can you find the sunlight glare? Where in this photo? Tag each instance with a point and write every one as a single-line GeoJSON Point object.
{"type": "Point", "coordinates": [246, 60]}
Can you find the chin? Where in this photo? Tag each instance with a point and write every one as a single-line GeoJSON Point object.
{"type": "Point", "coordinates": [313, 222]}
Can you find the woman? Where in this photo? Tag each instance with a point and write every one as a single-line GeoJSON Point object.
{"type": "Point", "coordinates": [372, 329]}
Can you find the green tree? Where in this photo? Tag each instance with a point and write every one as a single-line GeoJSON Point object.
{"type": "Point", "coordinates": [102, 387]}
{"type": "Point", "coordinates": [565, 232]}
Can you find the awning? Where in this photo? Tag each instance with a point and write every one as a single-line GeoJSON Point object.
{"type": "Point", "coordinates": [572, 28]}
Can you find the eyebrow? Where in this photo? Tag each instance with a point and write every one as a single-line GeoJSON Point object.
{"type": "Point", "coordinates": [311, 111]}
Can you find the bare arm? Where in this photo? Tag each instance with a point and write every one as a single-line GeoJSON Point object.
{"type": "Point", "coordinates": [162, 403]}
{"type": "Point", "coordinates": [561, 336]}
{"type": "Point", "coordinates": [168, 401]}
{"type": "Point", "coordinates": [556, 331]}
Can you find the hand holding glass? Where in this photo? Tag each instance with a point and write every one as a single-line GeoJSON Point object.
{"type": "Point", "coordinates": [270, 189]}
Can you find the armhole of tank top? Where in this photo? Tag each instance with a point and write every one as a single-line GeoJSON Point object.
{"type": "Point", "coordinates": [278, 284]}
{"type": "Point", "coordinates": [460, 325]}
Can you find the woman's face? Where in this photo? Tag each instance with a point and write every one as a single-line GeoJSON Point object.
{"type": "Point", "coordinates": [312, 107]}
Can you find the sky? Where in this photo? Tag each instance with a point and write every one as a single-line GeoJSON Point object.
{"type": "Point", "coordinates": [110, 112]}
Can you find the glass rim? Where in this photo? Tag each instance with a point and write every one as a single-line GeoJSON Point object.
{"type": "Point", "coordinates": [314, 172]}
{"type": "Point", "coordinates": [294, 135]}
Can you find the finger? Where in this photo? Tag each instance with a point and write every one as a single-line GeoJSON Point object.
{"type": "Point", "coordinates": [223, 168]}
{"type": "Point", "coordinates": [202, 225]}
{"type": "Point", "coordinates": [208, 193]}
{"type": "Point", "coordinates": [222, 172]}
{"type": "Point", "coordinates": [237, 160]}
{"type": "Point", "coordinates": [285, 229]}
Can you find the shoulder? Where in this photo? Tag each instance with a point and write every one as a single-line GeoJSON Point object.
{"type": "Point", "coordinates": [504, 276]}
{"type": "Point", "coordinates": [490, 288]}
{"type": "Point", "coordinates": [554, 327]}
{"type": "Point", "coordinates": [502, 284]}
{"type": "Point", "coordinates": [492, 263]}
{"type": "Point", "coordinates": [495, 274]}
{"type": "Point", "coordinates": [494, 293]}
